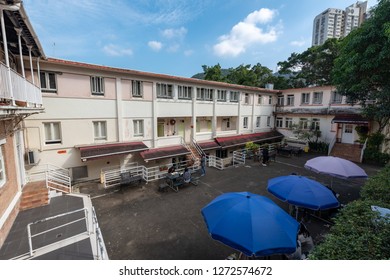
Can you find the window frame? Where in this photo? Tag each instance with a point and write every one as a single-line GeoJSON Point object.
{"type": "Point", "coordinates": [305, 98]}
{"type": "Point", "coordinates": [221, 95]}
{"type": "Point", "coordinates": [315, 124]}
{"type": "Point", "coordinates": [138, 125]}
{"type": "Point", "coordinates": [204, 94]}
{"type": "Point", "coordinates": [246, 99]}
{"type": "Point", "coordinates": [97, 85]}
{"type": "Point", "coordinates": [46, 79]}
{"type": "Point", "coordinates": [184, 92]}
{"type": "Point", "coordinates": [268, 121]}
{"type": "Point", "coordinates": [279, 122]}
{"type": "Point", "coordinates": [137, 88]}
{"type": "Point", "coordinates": [316, 95]}
{"type": "Point", "coordinates": [245, 122]}
{"type": "Point", "coordinates": [102, 130]}
{"type": "Point", "coordinates": [288, 122]}
{"type": "Point", "coordinates": [290, 100]}
{"type": "Point", "coordinates": [164, 90]}
{"type": "Point", "coordinates": [337, 100]}
{"type": "Point", "coordinates": [280, 100]}
{"type": "Point", "coordinates": [234, 96]}
{"type": "Point", "coordinates": [52, 127]}
{"type": "Point", "coordinates": [258, 121]}
{"type": "Point", "coordinates": [303, 123]}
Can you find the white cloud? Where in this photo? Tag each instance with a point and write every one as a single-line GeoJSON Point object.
{"type": "Point", "coordinates": [173, 48]}
{"type": "Point", "coordinates": [188, 52]}
{"type": "Point", "coordinates": [115, 50]}
{"type": "Point", "coordinates": [155, 45]}
{"type": "Point", "coordinates": [246, 34]}
{"type": "Point", "coordinates": [298, 43]}
{"type": "Point", "coordinates": [174, 33]}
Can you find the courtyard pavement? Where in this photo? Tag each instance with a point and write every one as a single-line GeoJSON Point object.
{"type": "Point", "coordinates": [141, 223]}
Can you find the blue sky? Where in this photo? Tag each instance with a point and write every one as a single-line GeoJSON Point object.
{"type": "Point", "coordinates": [176, 37]}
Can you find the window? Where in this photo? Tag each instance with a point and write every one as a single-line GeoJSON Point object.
{"type": "Point", "coordinates": [245, 124]}
{"type": "Point", "coordinates": [303, 123]}
{"type": "Point", "coordinates": [246, 98]}
{"type": "Point", "coordinates": [268, 121]}
{"type": "Point", "coordinates": [279, 122]}
{"type": "Point", "coordinates": [260, 99]}
{"type": "Point", "coordinates": [348, 128]}
{"type": "Point", "coordinates": [204, 94]}
{"type": "Point", "coordinates": [288, 122]}
{"type": "Point", "coordinates": [221, 153]}
{"type": "Point", "coordinates": [281, 100]}
{"type": "Point", "coordinates": [184, 92]}
{"type": "Point", "coordinates": [290, 100]}
{"type": "Point", "coordinates": [3, 178]}
{"type": "Point", "coordinates": [258, 121]}
{"type": "Point", "coordinates": [315, 124]}
{"type": "Point", "coordinates": [317, 98]}
{"type": "Point", "coordinates": [164, 90]}
{"type": "Point", "coordinates": [137, 88]}
{"type": "Point", "coordinates": [234, 96]}
{"type": "Point", "coordinates": [52, 133]}
{"type": "Point", "coordinates": [48, 82]}
{"type": "Point", "coordinates": [336, 98]}
{"type": "Point", "coordinates": [270, 100]}
{"type": "Point", "coordinates": [221, 95]}
{"type": "Point", "coordinates": [97, 85]}
{"type": "Point", "coordinates": [305, 98]}
{"type": "Point", "coordinates": [138, 127]}
{"type": "Point", "coordinates": [99, 130]}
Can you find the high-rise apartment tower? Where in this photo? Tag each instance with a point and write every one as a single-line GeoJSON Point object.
{"type": "Point", "coordinates": [337, 23]}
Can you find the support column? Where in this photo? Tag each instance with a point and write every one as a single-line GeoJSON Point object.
{"type": "Point", "coordinates": [4, 35]}
{"type": "Point", "coordinates": [253, 113]}
{"type": "Point", "coordinates": [193, 120]}
{"type": "Point", "coordinates": [19, 33]}
{"type": "Point", "coordinates": [214, 118]}
{"type": "Point", "coordinates": [31, 65]}
{"type": "Point", "coordinates": [154, 116]}
{"type": "Point", "coordinates": [119, 114]}
{"type": "Point", "coordinates": [239, 114]}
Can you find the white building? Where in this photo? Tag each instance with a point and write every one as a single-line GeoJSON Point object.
{"type": "Point", "coordinates": [99, 117]}
{"type": "Point", "coordinates": [337, 23]}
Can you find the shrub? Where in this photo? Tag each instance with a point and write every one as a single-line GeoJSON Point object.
{"type": "Point", "coordinates": [372, 155]}
{"type": "Point", "coordinates": [377, 188]}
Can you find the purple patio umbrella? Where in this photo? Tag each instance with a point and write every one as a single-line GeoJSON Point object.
{"type": "Point", "coordinates": [335, 167]}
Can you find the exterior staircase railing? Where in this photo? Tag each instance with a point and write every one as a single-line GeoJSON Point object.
{"type": "Point", "coordinates": [331, 144]}
{"type": "Point", "coordinates": [56, 178]}
{"type": "Point", "coordinates": [362, 151]}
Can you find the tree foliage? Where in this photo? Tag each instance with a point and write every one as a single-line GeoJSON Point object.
{"type": "Point", "coordinates": [313, 66]}
{"type": "Point", "coordinates": [362, 70]}
{"type": "Point", "coordinates": [359, 232]}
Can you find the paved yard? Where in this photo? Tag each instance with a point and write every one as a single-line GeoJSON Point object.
{"type": "Point", "coordinates": [142, 223]}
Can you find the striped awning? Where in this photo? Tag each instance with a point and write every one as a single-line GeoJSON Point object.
{"type": "Point", "coordinates": [112, 149]}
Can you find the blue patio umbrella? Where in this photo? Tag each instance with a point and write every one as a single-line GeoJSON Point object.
{"type": "Point", "coordinates": [302, 192]}
{"type": "Point", "coordinates": [251, 223]}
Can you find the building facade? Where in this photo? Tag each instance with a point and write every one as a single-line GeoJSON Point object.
{"type": "Point", "coordinates": [19, 98]}
{"type": "Point", "coordinates": [98, 117]}
{"type": "Point", "coordinates": [337, 23]}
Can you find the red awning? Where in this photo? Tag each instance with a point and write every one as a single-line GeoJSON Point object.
{"type": "Point", "coordinates": [164, 152]}
{"type": "Point", "coordinates": [208, 145]}
{"type": "Point", "coordinates": [350, 118]}
{"type": "Point", "coordinates": [112, 149]}
{"type": "Point", "coordinates": [240, 140]}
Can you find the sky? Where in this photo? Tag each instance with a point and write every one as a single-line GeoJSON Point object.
{"type": "Point", "coordinates": [176, 37]}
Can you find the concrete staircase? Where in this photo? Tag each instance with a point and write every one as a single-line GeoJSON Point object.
{"type": "Point", "coordinates": [347, 151]}
{"type": "Point", "coordinates": [34, 194]}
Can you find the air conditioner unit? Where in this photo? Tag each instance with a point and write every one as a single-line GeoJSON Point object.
{"type": "Point", "coordinates": [32, 157]}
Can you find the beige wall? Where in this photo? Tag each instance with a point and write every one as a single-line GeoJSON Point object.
{"type": "Point", "coordinates": [10, 189]}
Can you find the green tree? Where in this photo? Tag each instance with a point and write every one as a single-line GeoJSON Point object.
{"type": "Point", "coordinates": [313, 66]}
{"type": "Point", "coordinates": [362, 70]}
{"type": "Point", "coordinates": [213, 73]}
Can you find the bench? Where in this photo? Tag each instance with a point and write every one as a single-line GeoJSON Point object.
{"type": "Point", "coordinates": [128, 178]}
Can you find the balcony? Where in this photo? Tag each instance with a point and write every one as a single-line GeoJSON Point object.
{"type": "Point", "coordinates": [25, 94]}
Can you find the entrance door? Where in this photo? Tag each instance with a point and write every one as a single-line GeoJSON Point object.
{"type": "Point", "coordinates": [347, 136]}
{"type": "Point", "coordinates": [181, 129]}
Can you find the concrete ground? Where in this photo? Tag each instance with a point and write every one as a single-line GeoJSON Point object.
{"type": "Point", "coordinates": [144, 224]}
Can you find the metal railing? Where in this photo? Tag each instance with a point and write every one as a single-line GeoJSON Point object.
{"type": "Point", "coordinates": [239, 158]}
{"type": "Point", "coordinates": [112, 178]}
{"type": "Point", "coordinates": [22, 89]}
{"type": "Point", "coordinates": [101, 253]}
{"type": "Point", "coordinates": [363, 149]}
{"type": "Point", "coordinates": [216, 162]}
{"type": "Point", "coordinates": [331, 144]}
{"type": "Point", "coordinates": [31, 236]}
{"type": "Point", "coordinates": [57, 178]}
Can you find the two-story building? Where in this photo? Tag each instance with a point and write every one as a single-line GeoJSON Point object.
{"type": "Point", "coordinates": [99, 117]}
{"type": "Point", "coordinates": [323, 109]}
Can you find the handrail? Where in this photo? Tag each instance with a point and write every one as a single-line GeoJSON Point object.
{"type": "Point", "coordinates": [363, 149]}
{"type": "Point", "coordinates": [99, 237]}
{"type": "Point", "coordinates": [331, 144]}
{"type": "Point", "coordinates": [30, 236]}
{"type": "Point", "coordinates": [197, 147]}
